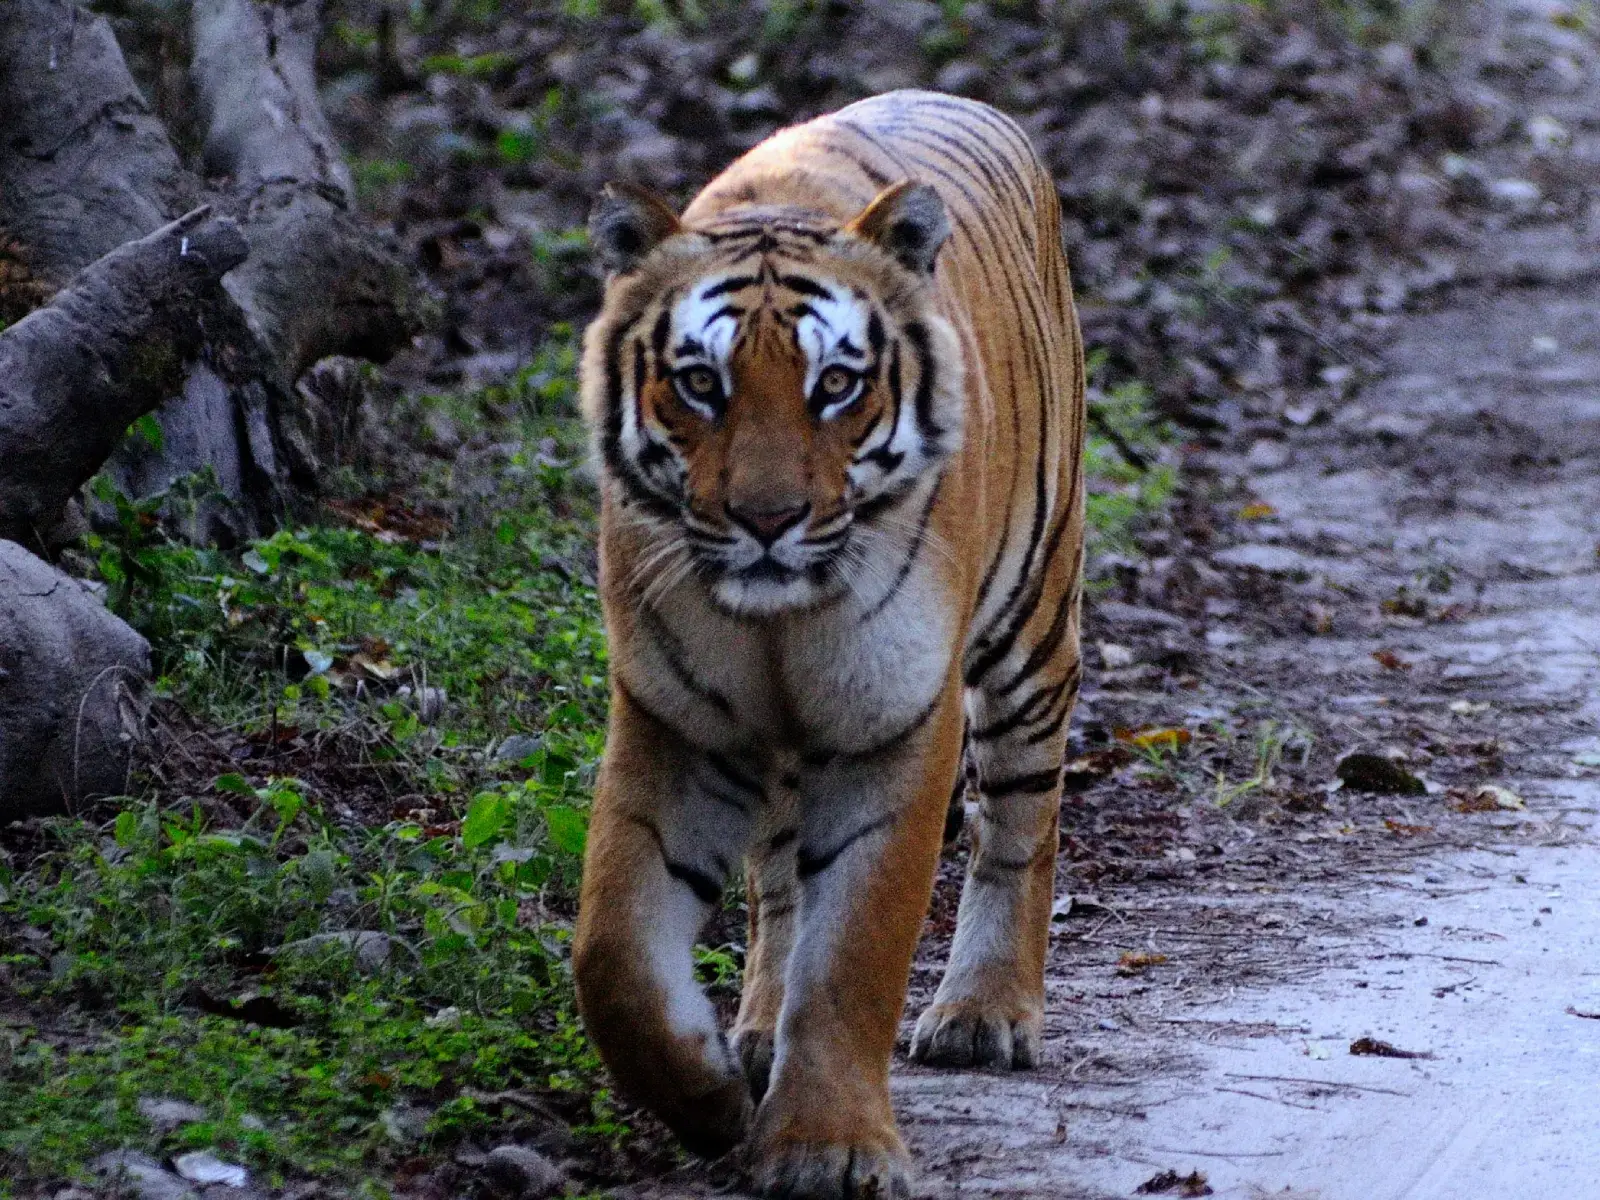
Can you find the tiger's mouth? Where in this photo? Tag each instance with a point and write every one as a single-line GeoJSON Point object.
{"type": "Point", "coordinates": [748, 580]}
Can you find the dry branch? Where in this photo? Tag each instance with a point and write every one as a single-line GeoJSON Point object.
{"type": "Point", "coordinates": [109, 348]}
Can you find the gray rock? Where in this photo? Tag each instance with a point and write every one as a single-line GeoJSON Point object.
{"type": "Point", "coordinates": [165, 1114]}
{"type": "Point", "coordinates": [517, 747]}
{"type": "Point", "coordinates": [368, 947]}
{"type": "Point", "coordinates": [203, 1167]}
{"type": "Point", "coordinates": [522, 1172]}
{"type": "Point", "coordinates": [1274, 560]}
{"type": "Point", "coordinates": [73, 690]}
{"type": "Point", "coordinates": [1134, 616]}
{"type": "Point", "coordinates": [141, 1176]}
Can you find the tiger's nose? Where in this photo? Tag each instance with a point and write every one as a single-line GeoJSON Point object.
{"type": "Point", "coordinates": [769, 524]}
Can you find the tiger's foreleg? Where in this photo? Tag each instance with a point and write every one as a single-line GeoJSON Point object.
{"type": "Point", "coordinates": [773, 896]}
{"type": "Point", "coordinates": [989, 1010]}
{"type": "Point", "coordinates": [668, 823]}
{"type": "Point", "coordinates": [867, 846]}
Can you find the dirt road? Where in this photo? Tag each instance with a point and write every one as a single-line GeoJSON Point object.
{"type": "Point", "coordinates": [1419, 580]}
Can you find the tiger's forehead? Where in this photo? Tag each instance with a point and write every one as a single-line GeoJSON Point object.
{"type": "Point", "coordinates": [826, 319]}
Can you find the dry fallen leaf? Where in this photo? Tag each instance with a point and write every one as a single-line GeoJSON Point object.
{"type": "Point", "coordinates": [1405, 830]}
{"type": "Point", "coordinates": [1155, 739]}
{"type": "Point", "coordinates": [1390, 661]}
{"type": "Point", "coordinates": [1133, 962]}
{"type": "Point", "coordinates": [1367, 1047]}
{"type": "Point", "coordinates": [1257, 511]}
{"type": "Point", "coordinates": [1488, 798]}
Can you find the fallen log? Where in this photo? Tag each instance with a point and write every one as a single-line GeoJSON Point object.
{"type": "Point", "coordinates": [73, 691]}
{"type": "Point", "coordinates": [109, 348]}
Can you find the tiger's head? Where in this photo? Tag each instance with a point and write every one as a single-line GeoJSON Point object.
{"type": "Point", "coordinates": [769, 389]}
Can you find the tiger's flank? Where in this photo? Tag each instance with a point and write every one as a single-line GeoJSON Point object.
{"type": "Point", "coordinates": [839, 407]}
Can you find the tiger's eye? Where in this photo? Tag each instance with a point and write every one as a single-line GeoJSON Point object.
{"type": "Point", "coordinates": [701, 381]}
{"type": "Point", "coordinates": [836, 381]}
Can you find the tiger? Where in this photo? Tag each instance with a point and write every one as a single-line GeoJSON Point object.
{"type": "Point", "coordinates": [837, 405]}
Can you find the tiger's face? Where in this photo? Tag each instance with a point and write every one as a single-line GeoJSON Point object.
{"type": "Point", "coordinates": [769, 391]}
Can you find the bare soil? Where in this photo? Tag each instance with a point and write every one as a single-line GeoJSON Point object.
{"type": "Point", "coordinates": [1266, 982]}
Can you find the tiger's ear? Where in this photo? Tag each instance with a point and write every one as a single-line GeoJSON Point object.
{"type": "Point", "coordinates": [626, 223]}
{"type": "Point", "coordinates": [909, 221]}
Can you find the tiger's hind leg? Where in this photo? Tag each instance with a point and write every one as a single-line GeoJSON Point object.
{"type": "Point", "coordinates": [989, 1009]}
{"type": "Point", "coordinates": [668, 823]}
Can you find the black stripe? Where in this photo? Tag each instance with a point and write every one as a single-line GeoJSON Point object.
{"type": "Point", "coordinates": [877, 419]}
{"type": "Point", "coordinates": [999, 871]}
{"type": "Point", "coordinates": [731, 284]}
{"type": "Point", "coordinates": [997, 191]}
{"type": "Point", "coordinates": [672, 650]}
{"type": "Point", "coordinates": [1046, 732]}
{"type": "Point", "coordinates": [734, 775]}
{"type": "Point", "coordinates": [808, 863]}
{"type": "Point", "coordinates": [1001, 647]}
{"type": "Point", "coordinates": [984, 115]}
{"type": "Point", "coordinates": [874, 176]}
{"type": "Point", "coordinates": [875, 333]}
{"type": "Point", "coordinates": [806, 287]}
{"type": "Point", "coordinates": [635, 487]}
{"type": "Point", "coordinates": [706, 889]}
{"type": "Point", "coordinates": [733, 802]}
{"type": "Point", "coordinates": [1042, 651]}
{"type": "Point", "coordinates": [820, 758]}
{"type": "Point", "coordinates": [917, 334]}
{"type": "Point", "coordinates": [1035, 708]}
{"type": "Point", "coordinates": [1021, 785]}
{"type": "Point", "coordinates": [913, 553]}
{"type": "Point", "coordinates": [1011, 492]}
{"type": "Point", "coordinates": [987, 160]}
{"type": "Point", "coordinates": [781, 839]}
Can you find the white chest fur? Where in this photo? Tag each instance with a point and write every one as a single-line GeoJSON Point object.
{"type": "Point", "coordinates": [841, 678]}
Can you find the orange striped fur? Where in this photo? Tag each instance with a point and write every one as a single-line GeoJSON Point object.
{"type": "Point", "coordinates": [838, 404]}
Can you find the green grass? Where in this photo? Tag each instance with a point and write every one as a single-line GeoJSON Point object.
{"type": "Point", "coordinates": [1124, 495]}
{"type": "Point", "coordinates": [149, 936]}
{"type": "Point", "coordinates": [158, 942]}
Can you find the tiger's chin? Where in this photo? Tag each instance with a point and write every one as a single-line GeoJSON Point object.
{"type": "Point", "coordinates": [767, 588]}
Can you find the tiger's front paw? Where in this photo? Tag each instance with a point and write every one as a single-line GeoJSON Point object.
{"type": "Point", "coordinates": [978, 1033]}
{"type": "Point", "coordinates": [871, 1168]}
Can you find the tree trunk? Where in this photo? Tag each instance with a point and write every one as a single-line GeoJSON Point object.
{"type": "Point", "coordinates": [109, 348]}
{"type": "Point", "coordinates": [207, 321]}
{"type": "Point", "coordinates": [86, 166]}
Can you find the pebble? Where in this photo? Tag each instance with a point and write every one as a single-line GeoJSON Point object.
{"type": "Point", "coordinates": [522, 1172]}
{"type": "Point", "coordinates": [201, 1166]}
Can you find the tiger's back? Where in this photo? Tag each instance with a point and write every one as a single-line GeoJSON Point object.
{"type": "Point", "coordinates": [839, 407]}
